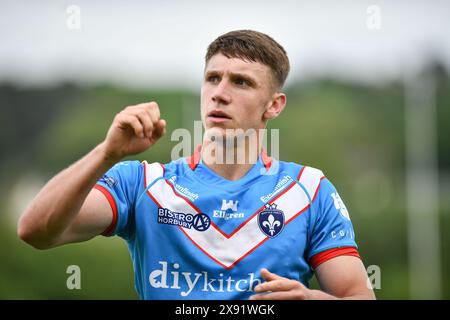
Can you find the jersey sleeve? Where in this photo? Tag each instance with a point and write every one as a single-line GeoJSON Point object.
{"type": "Point", "coordinates": [120, 185]}
{"type": "Point", "coordinates": [332, 230]}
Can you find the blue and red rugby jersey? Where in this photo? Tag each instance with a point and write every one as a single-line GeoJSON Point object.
{"type": "Point", "coordinates": [195, 235]}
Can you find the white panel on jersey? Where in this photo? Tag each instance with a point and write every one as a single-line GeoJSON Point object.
{"type": "Point", "coordinates": [228, 250]}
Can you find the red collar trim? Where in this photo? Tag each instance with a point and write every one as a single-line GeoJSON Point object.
{"type": "Point", "coordinates": [266, 159]}
{"type": "Point", "coordinates": [194, 159]}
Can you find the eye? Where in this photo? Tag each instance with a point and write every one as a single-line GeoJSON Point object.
{"type": "Point", "coordinates": [241, 82]}
{"type": "Point", "coordinates": [212, 79]}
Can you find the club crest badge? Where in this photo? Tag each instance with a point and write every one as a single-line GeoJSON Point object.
{"type": "Point", "coordinates": [271, 220]}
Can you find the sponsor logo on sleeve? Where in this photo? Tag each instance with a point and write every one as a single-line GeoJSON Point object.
{"type": "Point", "coordinates": [110, 181]}
{"type": "Point", "coordinates": [339, 205]}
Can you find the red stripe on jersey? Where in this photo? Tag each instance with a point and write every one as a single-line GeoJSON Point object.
{"type": "Point", "coordinates": [113, 205]}
{"type": "Point", "coordinates": [326, 255]}
{"type": "Point", "coordinates": [193, 160]}
{"type": "Point", "coordinates": [266, 159]}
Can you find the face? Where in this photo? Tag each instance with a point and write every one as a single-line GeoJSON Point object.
{"type": "Point", "coordinates": [237, 94]}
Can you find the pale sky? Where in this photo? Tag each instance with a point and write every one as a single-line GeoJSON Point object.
{"type": "Point", "coordinates": [157, 44]}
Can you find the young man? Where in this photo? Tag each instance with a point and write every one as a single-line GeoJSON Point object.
{"type": "Point", "coordinates": [200, 228]}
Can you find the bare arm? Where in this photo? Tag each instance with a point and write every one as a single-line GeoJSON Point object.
{"type": "Point", "coordinates": [343, 277]}
{"type": "Point", "coordinates": [67, 209]}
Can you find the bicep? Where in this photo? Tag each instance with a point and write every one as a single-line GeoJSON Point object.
{"type": "Point", "coordinates": [344, 276]}
{"type": "Point", "coordinates": [94, 218]}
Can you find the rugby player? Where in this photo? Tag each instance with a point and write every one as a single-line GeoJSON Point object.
{"type": "Point", "coordinates": [200, 228]}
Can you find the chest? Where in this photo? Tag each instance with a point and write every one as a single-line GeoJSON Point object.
{"type": "Point", "coordinates": [227, 226]}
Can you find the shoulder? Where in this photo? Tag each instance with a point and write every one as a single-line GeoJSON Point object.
{"type": "Point", "coordinates": [304, 173]}
{"type": "Point", "coordinates": [154, 170]}
{"type": "Point", "coordinates": [312, 180]}
{"type": "Point", "coordinates": [129, 169]}
{"type": "Point", "coordinates": [318, 184]}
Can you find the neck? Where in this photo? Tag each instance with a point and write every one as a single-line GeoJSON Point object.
{"type": "Point", "coordinates": [230, 162]}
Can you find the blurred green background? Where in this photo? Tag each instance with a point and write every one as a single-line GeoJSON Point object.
{"type": "Point", "coordinates": [360, 74]}
{"type": "Point", "coordinates": [354, 132]}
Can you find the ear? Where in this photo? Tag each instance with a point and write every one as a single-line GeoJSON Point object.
{"type": "Point", "coordinates": [275, 106]}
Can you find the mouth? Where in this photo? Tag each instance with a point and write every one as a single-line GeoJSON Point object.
{"type": "Point", "coordinates": [218, 116]}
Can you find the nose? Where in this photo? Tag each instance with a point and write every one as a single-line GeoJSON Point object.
{"type": "Point", "coordinates": [221, 94]}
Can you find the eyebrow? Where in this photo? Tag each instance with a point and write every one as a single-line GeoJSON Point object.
{"type": "Point", "coordinates": [233, 76]}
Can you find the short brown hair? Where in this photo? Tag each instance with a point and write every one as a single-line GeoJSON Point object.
{"type": "Point", "coordinates": [254, 46]}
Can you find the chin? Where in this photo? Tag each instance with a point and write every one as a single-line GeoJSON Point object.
{"type": "Point", "coordinates": [214, 133]}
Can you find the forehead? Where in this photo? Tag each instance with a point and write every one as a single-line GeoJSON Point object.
{"type": "Point", "coordinates": [221, 63]}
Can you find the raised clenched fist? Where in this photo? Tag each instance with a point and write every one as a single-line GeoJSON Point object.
{"type": "Point", "coordinates": [134, 130]}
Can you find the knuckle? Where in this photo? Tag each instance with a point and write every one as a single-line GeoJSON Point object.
{"type": "Point", "coordinates": [133, 121]}
{"type": "Point", "coordinates": [140, 113]}
{"type": "Point", "coordinates": [153, 106]}
{"type": "Point", "coordinates": [120, 117]}
{"type": "Point", "coordinates": [146, 114]}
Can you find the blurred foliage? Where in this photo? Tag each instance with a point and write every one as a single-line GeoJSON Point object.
{"type": "Point", "coordinates": [354, 132]}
